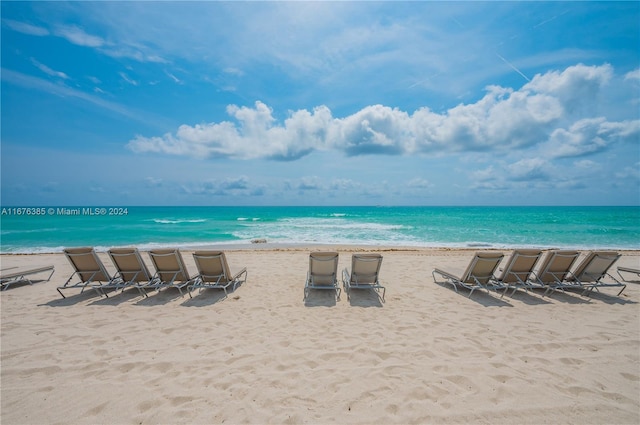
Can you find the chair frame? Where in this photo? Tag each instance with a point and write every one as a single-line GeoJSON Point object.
{"type": "Point", "coordinates": [175, 281]}
{"type": "Point", "coordinates": [629, 270]}
{"type": "Point", "coordinates": [218, 281]}
{"type": "Point", "coordinates": [13, 275]}
{"type": "Point", "coordinates": [559, 277]}
{"type": "Point", "coordinates": [370, 281]}
{"type": "Point", "coordinates": [310, 282]}
{"type": "Point", "coordinates": [589, 280]}
{"type": "Point", "coordinates": [94, 275]}
{"type": "Point", "coordinates": [519, 279]}
{"type": "Point", "coordinates": [470, 279]}
{"type": "Point", "coordinates": [123, 282]}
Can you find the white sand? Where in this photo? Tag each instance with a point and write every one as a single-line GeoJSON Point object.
{"type": "Point", "coordinates": [428, 355]}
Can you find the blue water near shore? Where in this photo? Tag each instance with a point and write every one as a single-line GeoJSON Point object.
{"type": "Point", "coordinates": [467, 227]}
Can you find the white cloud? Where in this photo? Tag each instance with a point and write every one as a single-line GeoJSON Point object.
{"type": "Point", "coordinates": [26, 28]}
{"type": "Point", "coordinates": [419, 183]}
{"type": "Point", "coordinates": [586, 164]}
{"type": "Point", "coordinates": [590, 135]}
{"type": "Point", "coordinates": [630, 173]}
{"type": "Point", "coordinates": [632, 75]}
{"type": "Point", "coordinates": [504, 119]}
{"type": "Point", "coordinates": [529, 169]}
{"type": "Point", "coordinates": [49, 71]}
{"type": "Point", "coordinates": [128, 79]}
{"type": "Point", "coordinates": [78, 36]}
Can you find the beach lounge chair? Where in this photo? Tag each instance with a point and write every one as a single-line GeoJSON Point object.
{"type": "Point", "coordinates": [170, 271]}
{"type": "Point", "coordinates": [323, 273]}
{"type": "Point", "coordinates": [11, 275]}
{"type": "Point", "coordinates": [590, 274]}
{"type": "Point", "coordinates": [214, 272]}
{"type": "Point", "coordinates": [365, 270]}
{"type": "Point", "coordinates": [554, 269]}
{"type": "Point", "coordinates": [88, 268]}
{"type": "Point", "coordinates": [516, 273]}
{"type": "Point", "coordinates": [623, 272]}
{"type": "Point", "coordinates": [479, 273]}
{"type": "Point", "coordinates": [131, 270]}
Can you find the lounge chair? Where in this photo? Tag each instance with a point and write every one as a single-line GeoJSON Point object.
{"type": "Point", "coordinates": [593, 269]}
{"type": "Point", "coordinates": [323, 273]}
{"type": "Point", "coordinates": [170, 271]}
{"type": "Point", "coordinates": [88, 268]}
{"type": "Point", "coordinates": [553, 271]}
{"type": "Point", "coordinates": [516, 273]}
{"type": "Point", "coordinates": [624, 271]}
{"type": "Point", "coordinates": [214, 272]}
{"type": "Point", "coordinates": [131, 270]}
{"type": "Point", "coordinates": [365, 269]}
{"type": "Point", "coordinates": [479, 273]}
{"type": "Point", "coordinates": [11, 275]}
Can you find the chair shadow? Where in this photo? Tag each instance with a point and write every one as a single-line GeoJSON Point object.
{"type": "Point", "coordinates": [70, 300]}
{"type": "Point", "coordinates": [568, 296]}
{"type": "Point", "coordinates": [321, 298]}
{"type": "Point", "coordinates": [529, 297]}
{"type": "Point", "coordinates": [479, 296]}
{"type": "Point", "coordinates": [118, 297]}
{"type": "Point", "coordinates": [608, 298]}
{"type": "Point", "coordinates": [365, 298]}
{"type": "Point", "coordinates": [207, 297]}
{"type": "Point", "coordinates": [162, 297]}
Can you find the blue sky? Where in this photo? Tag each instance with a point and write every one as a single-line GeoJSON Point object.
{"type": "Point", "coordinates": [320, 103]}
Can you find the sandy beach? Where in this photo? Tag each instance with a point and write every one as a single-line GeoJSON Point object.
{"type": "Point", "coordinates": [263, 355]}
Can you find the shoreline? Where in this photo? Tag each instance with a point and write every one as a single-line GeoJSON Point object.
{"type": "Point", "coordinates": [233, 246]}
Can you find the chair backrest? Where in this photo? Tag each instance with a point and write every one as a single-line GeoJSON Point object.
{"type": "Point", "coordinates": [481, 267]}
{"type": "Point", "coordinates": [169, 265]}
{"type": "Point", "coordinates": [323, 267]}
{"type": "Point", "coordinates": [212, 266]}
{"type": "Point", "coordinates": [595, 266]}
{"type": "Point", "coordinates": [555, 265]}
{"type": "Point", "coordinates": [520, 265]}
{"type": "Point", "coordinates": [365, 268]}
{"type": "Point", "coordinates": [86, 263]}
{"type": "Point", "coordinates": [129, 264]}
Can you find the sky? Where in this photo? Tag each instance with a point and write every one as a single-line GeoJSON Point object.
{"type": "Point", "coordinates": [320, 103]}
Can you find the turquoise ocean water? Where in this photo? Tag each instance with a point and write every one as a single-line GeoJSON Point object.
{"type": "Point", "coordinates": [52, 229]}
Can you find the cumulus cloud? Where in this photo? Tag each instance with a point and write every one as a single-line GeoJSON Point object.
{"type": "Point", "coordinates": [529, 169]}
{"type": "Point", "coordinates": [590, 135]}
{"type": "Point", "coordinates": [552, 109]}
{"type": "Point", "coordinates": [227, 186]}
{"type": "Point", "coordinates": [632, 75]}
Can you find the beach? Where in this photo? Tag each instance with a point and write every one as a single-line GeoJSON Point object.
{"type": "Point", "coordinates": [264, 355]}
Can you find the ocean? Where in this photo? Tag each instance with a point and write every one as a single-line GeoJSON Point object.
{"type": "Point", "coordinates": [52, 229]}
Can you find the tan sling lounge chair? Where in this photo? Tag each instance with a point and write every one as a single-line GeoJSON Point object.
{"type": "Point", "coordinates": [623, 272]}
{"type": "Point", "coordinates": [131, 270]}
{"type": "Point", "coordinates": [323, 273]}
{"type": "Point", "coordinates": [214, 272]}
{"type": "Point", "coordinates": [365, 270]}
{"type": "Point", "coordinates": [553, 271]}
{"type": "Point", "coordinates": [88, 268]}
{"type": "Point", "coordinates": [170, 271]}
{"type": "Point", "coordinates": [479, 273]}
{"type": "Point", "coordinates": [516, 273]}
{"type": "Point", "coordinates": [11, 275]}
{"type": "Point", "coordinates": [593, 269]}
